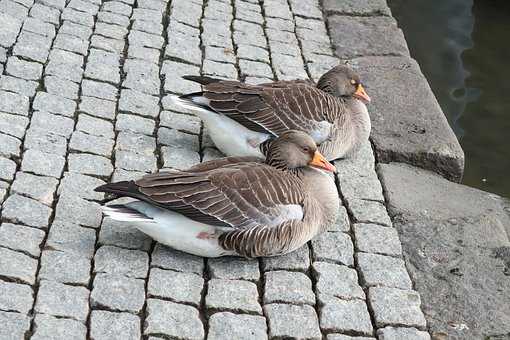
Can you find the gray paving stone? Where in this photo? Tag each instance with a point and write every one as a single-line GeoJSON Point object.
{"type": "Point", "coordinates": [55, 124]}
{"type": "Point", "coordinates": [114, 260]}
{"type": "Point", "coordinates": [232, 295]}
{"type": "Point", "coordinates": [60, 300]}
{"type": "Point", "coordinates": [106, 325]}
{"type": "Point", "coordinates": [345, 316]}
{"type": "Point", "coordinates": [62, 87]}
{"type": "Point", "coordinates": [176, 286]}
{"type": "Point", "coordinates": [145, 39]}
{"type": "Point", "coordinates": [7, 169]}
{"type": "Point", "coordinates": [98, 107]}
{"type": "Point", "coordinates": [132, 101]}
{"type": "Point", "coordinates": [48, 327]}
{"type": "Point", "coordinates": [18, 85]}
{"type": "Point", "coordinates": [372, 238]}
{"type": "Point", "coordinates": [220, 54]}
{"type": "Point", "coordinates": [392, 333]}
{"type": "Point", "coordinates": [115, 233]}
{"type": "Point", "coordinates": [333, 247]}
{"type": "Point", "coordinates": [78, 17]}
{"type": "Point", "coordinates": [45, 13]}
{"type": "Point", "coordinates": [179, 158]}
{"type": "Point", "coordinates": [283, 318]}
{"type": "Point", "coordinates": [20, 238]}
{"type": "Point", "coordinates": [380, 270]}
{"type": "Point", "coordinates": [187, 12]}
{"type": "Point", "coordinates": [69, 237]}
{"type": "Point", "coordinates": [255, 68]}
{"type": "Point", "coordinates": [342, 222]}
{"type": "Point", "coordinates": [20, 209]}
{"type": "Point", "coordinates": [393, 306]}
{"type": "Point", "coordinates": [298, 260]}
{"type": "Point", "coordinates": [77, 30]}
{"type": "Point", "coordinates": [254, 53]}
{"type": "Point", "coordinates": [108, 58]}
{"type": "Point", "coordinates": [280, 24]}
{"type": "Point", "coordinates": [235, 326]}
{"type": "Point", "coordinates": [135, 162]}
{"type": "Point", "coordinates": [81, 186]}
{"type": "Point", "coordinates": [103, 72]}
{"type": "Point", "coordinates": [184, 48]}
{"type": "Point", "coordinates": [16, 297]}
{"type": "Point", "coordinates": [134, 123]}
{"type": "Point", "coordinates": [71, 43]}
{"type": "Point", "coordinates": [288, 287]}
{"type": "Point", "coordinates": [366, 8]}
{"type": "Point", "coordinates": [14, 325]}
{"type": "Point", "coordinates": [32, 46]}
{"type": "Point", "coordinates": [173, 72]}
{"type": "Point", "coordinates": [118, 293]}
{"type": "Point", "coordinates": [137, 143]}
{"type": "Point", "coordinates": [346, 337]}
{"type": "Point", "coordinates": [281, 36]}
{"type": "Point", "coordinates": [175, 138]}
{"type": "Point", "coordinates": [83, 6]}
{"type": "Point", "coordinates": [125, 175]}
{"type": "Point", "coordinates": [9, 146]}
{"type": "Point", "coordinates": [113, 18]}
{"type": "Point", "coordinates": [173, 320]}
{"type": "Point", "coordinates": [308, 9]}
{"type": "Point", "coordinates": [336, 280]}
{"type": "Point", "coordinates": [14, 103]}
{"type": "Point", "coordinates": [217, 69]}
{"type": "Point", "coordinates": [44, 140]}
{"type": "Point", "coordinates": [361, 187]}
{"type": "Point", "coordinates": [369, 212]}
{"type": "Point", "coordinates": [13, 9]}
{"type": "Point", "coordinates": [95, 126]}
{"type": "Point", "coordinates": [146, 14]}
{"type": "Point", "coordinates": [58, 4]}
{"type": "Point", "coordinates": [84, 142]}
{"type": "Point", "coordinates": [17, 266]}
{"type": "Point", "coordinates": [371, 36]}
{"type": "Point", "coordinates": [73, 72]}
{"type": "Point", "coordinates": [167, 258]}
{"type": "Point", "coordinates": [64, 267]}
{"type": "Point", "coordinates": [152, 4]}
{"type": "Point", "coordinates": [142, 76]}
{"type": "Point", "coordinates": [144, 53]}
{"type": "Point", "coordinates": [36, 187]}
{"type": "Point", "coordinates": [10, 29]}
{"type": "Point", "coordinates": [13, 125]}
{"type": "Point", "coordinates": [66, 57]}
{"type": "Point", "coordinates": [210, 154]}
{"type": "Point", "coordinates": [41, 163]}
{"type": "Point", "coordinates": [108, 44]}
{"type": "Point", "coordinates": [54, 104]}
{"type": "Point", "coordinates": [97, 89]}
{"type": "Point", "coordinates": [147, 26]}
{"type": "Point", "coordinates": [110, 31]}
{"type": "Point", "coordinates": [77, 210]}
{"type": "Point", "coordinates": [233, 268]}
{"type": "Point", "coordinates": [117, 7]}
{"type": "Point", "coordinates": [182, 122]}
{"type": "Point", "coordinates": [90, 165]}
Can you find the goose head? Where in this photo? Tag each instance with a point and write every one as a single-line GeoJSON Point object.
{"type": "Point", "coordinates": [295, 149]}
{"type": "Point", "coordinates": [341, 81]}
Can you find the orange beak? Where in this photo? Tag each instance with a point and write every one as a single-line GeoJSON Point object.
{"type": "Point", "coordinates": [319, 161]}
{"type": "Point", "coordinates": [361, 94]}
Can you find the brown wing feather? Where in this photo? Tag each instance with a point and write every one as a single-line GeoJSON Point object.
{"type": "Point", "coordinates": [272, 107]}
{"type": "Point", "coordinates": [241, 195]}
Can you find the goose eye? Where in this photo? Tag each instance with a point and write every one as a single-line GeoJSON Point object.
{"type": "Point", "coordinates": [305, 149]}
{"type": "Point", "coordinates": [353, 82]}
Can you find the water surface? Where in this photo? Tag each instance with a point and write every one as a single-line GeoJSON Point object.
{"type": "Point", "coordinates": [463, 48]}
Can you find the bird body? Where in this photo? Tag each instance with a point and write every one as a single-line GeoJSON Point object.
{"type": "Point", "coordinates": [239, 206]}
{"type": "Point", "coordinates": [332, 112]}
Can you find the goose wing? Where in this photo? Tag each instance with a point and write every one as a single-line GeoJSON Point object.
{"type": "Point", "coordinates": [271, 107]}
{"type": "Point", "coordinates": [238, 195]}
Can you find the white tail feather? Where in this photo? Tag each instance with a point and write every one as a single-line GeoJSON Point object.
{"type": "Point", "coordinates": [125, 214]}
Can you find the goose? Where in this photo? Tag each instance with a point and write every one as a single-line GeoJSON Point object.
{"type": "Point", "coordinates": [235, 206]}
{"type": "Point", "coordinates": [240, 116]}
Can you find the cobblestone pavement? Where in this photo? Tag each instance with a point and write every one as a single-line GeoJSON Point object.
{"type": "Point", "coordinates": [84, 100]}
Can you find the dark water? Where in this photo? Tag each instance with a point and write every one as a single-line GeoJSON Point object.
{"type": "Point", "coordinates": [463, 48]}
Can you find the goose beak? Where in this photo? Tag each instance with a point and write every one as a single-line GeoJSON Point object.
{"type": "Point", "coordinates": [361, 94]}
{"type": "Point", "coordinates": [319, 161]}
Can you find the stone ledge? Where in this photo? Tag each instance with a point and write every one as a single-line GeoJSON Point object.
{"type": "Point", "coordinates": [407, 123]}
